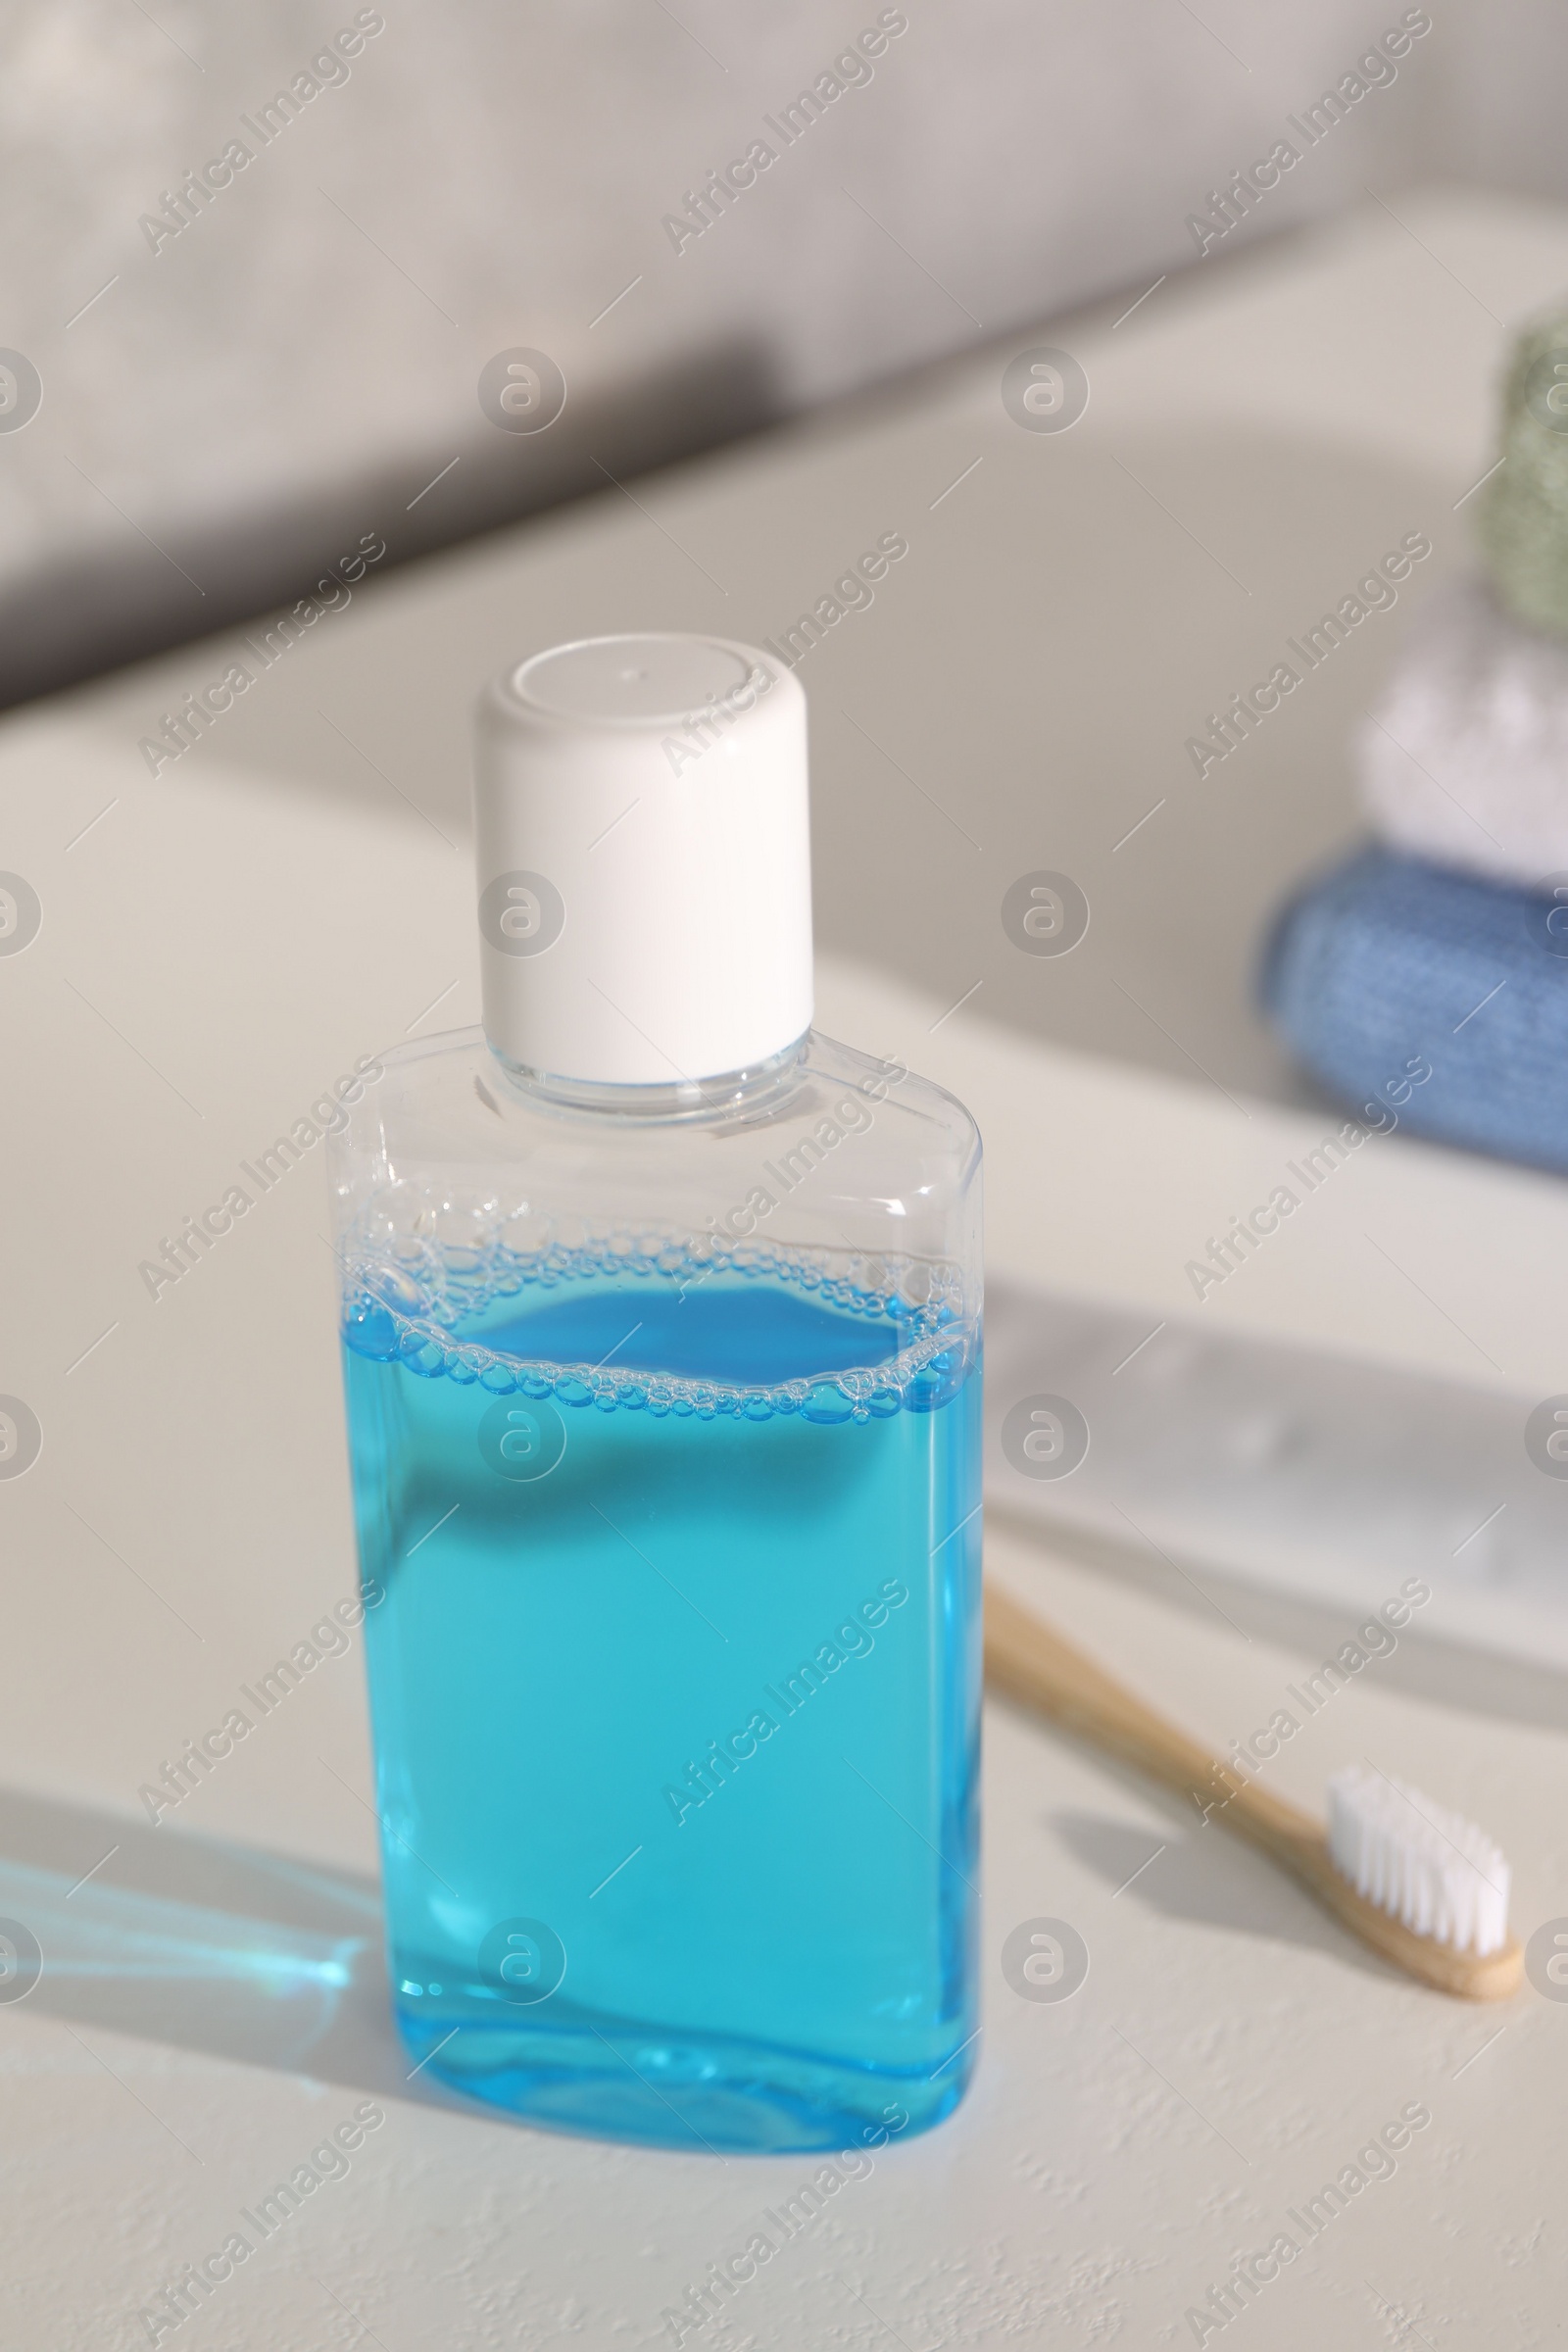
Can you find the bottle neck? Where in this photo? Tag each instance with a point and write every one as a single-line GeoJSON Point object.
{"type": "Point", "coordinates": [687, 1101]}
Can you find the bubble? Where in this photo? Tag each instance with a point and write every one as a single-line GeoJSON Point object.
{"type": "Point", "coordinates": [370, 1330]}
{"type": "Point", "coordinates": [407, 1302]}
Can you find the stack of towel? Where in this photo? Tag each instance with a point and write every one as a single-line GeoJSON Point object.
{"type": "Point", "coordinates": [1426, 981]}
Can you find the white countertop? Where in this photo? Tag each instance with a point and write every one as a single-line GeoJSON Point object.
{"type": "Point", "coordinates": [219, 941]}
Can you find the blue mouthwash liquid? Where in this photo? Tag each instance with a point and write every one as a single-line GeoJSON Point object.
{"type": "Point", "coordinates": [675, 1692]}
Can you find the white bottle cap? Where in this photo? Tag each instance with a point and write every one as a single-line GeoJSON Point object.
{"type": "Point", "coordinates": [644, 856]}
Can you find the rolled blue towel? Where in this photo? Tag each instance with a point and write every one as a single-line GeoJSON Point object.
{"type": "Point", "coordinates": [1427, 999]}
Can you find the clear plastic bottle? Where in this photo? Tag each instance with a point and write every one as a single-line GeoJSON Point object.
{"type": "Point", "coordinates": [663, 1412]}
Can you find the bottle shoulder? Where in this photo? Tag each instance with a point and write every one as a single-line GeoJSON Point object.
{"type": "Point", "coordinates": [926, 1110]}
{"type": "Point", "coordinates": [448, 1095]}
{"type": "Point", "coordinates": [845, 1140]}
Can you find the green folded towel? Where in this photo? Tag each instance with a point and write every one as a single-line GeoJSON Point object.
{"type": "Point", "coordinates": [1524, 508]}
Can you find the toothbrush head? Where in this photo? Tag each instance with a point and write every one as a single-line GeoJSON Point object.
{"type": "Point", "coordinates": [1428, 1870]}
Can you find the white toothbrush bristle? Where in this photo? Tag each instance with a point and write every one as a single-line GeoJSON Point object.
{"type": "Point", "coordinates": [1425, 1866]}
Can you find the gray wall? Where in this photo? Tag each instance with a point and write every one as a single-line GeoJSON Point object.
{"type": "Point", "coordinates": [291, 370]}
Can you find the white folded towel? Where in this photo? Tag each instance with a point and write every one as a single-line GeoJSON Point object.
{"type": "Point", "coordinates": [1464, 760]}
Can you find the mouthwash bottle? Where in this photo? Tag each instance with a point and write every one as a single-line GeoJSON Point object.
{"type": "Point", "coordinates": [662, 1347]}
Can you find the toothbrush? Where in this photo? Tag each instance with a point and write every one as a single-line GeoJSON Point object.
{"type": "Point", "coordinates": [1422, 1887]}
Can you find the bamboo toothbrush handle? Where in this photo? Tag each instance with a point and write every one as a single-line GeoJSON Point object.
{"type": "Point", "coordinates": [1031, 1661]}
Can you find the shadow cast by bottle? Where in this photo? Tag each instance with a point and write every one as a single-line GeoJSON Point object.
{"type": "Point", "coordinates": [200, 1943]}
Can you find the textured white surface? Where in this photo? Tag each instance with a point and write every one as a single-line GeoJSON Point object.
{"type": "Point", "coordinates": [219, 941]}
{"type": "Point", "coordinates": [1464, 759]}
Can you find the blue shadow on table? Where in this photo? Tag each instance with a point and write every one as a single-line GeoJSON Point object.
{"type": "Point", "coordinates": [202, 1944]}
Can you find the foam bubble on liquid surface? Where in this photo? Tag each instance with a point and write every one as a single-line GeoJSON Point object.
{"type": "Point", "coordinates": [890, 1334]}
